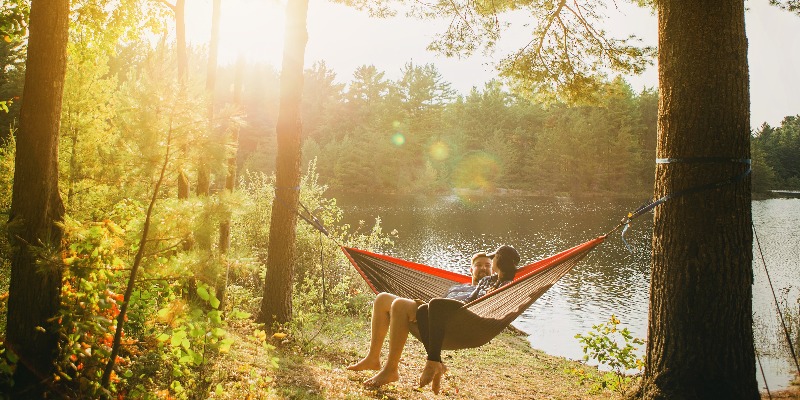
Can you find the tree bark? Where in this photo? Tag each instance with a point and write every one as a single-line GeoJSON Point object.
{"type": "Point", "coordinates": [180, 39]}
{"type": "Point", "coordinates": [700, 338]}
{"type": "Point", "coordinates": [36, 206]}
{"type": "Point", "coordinates": [276, 305]}
{"type": "Point", "coordinates": [179, 9]}
{"type": "Point", "coordinates": [203, 174]}
{"type": "Point", "coordinates": [230, 179]}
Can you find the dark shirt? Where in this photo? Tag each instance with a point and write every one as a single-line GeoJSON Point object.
{"type": "Point", "coordinates": [459, 292]}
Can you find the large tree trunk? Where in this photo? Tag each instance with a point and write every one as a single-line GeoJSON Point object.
{"type": "Point", "coordinates": [276, 305]}
{"type": "Point", "coordinates": [36, 207]}
{"type": "Point", "coordinates": [700, 338]}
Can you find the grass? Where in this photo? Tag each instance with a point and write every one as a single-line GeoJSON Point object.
{"type": "Point", "coordinates": [506, 368]}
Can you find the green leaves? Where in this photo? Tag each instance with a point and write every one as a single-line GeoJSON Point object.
{"type": "Point", "coordinates": [613, 346]}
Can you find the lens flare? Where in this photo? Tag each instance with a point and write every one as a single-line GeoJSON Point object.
{"type": "Point", "coordinates": [398, 139]}
{"type": "Point", "coordinates": [439, 151]}
{"type": "Point", "coordinates": [478, 170]}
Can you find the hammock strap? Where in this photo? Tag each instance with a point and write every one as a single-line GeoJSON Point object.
{"type": "Point", "coordinates": [626, 220]}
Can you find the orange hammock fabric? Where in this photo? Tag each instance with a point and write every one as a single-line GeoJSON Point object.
{"type": "Point", "coordinates": [477, 322]}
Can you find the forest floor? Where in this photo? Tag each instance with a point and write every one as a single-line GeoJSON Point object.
{"type": "Point", "coordinates": [312, 365]}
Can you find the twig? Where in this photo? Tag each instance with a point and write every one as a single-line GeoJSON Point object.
{"type": "Point", "coordinates": [105, 380]}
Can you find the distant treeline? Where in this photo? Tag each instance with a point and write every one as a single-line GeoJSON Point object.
{"type": "Point", "coordinates": [415, 134]}
{"type": "Point", "coordinates": [776, 156]}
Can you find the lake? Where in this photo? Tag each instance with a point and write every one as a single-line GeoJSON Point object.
{"type": "Point", "coordinates": [444, 231]}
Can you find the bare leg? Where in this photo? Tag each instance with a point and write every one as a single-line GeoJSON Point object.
{"type": "Point", "coordinates": [381, 314]}
{"type": "Point", "coordinates": [404, 312]}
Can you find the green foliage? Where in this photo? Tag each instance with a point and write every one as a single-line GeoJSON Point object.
{"type": "Point", "coordinates": [8, 363]}
{"type": "Point", "coordinates": [568, 57]}
{"type": "Point", "coordinates": [14, 19]}
{"type": "Point", "coordinates": [91, 298]}
{"type": "Point", "coordinates": [788, 5]}
{"type": "Point", "coordinates": [776, 156]}
{"type": "Point", "coordinates": [615, 347]}
{"type": "Point", "coordinates": [7, 152]}
{"type": "Point", "coordinates": [194, 338]}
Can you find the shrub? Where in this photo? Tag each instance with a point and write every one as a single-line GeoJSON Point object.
{"type": "Point", "coordinates": [614, 347]}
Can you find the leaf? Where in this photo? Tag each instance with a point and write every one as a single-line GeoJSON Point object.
{"type": "Point", "coordinates": [177, 338]}
{"type": "Point", "coordinates": [225, 345]}
{"type": "Point", "coordinates": [215, 317]}
{"type": "Point", "coordinates": [279, 335]}
{"type": "Point", "coordinates": [12, 357]}
{"type": "Point", "coordinates": [214, 301]}
{"type": "Point", "coordinates": [203, 293]}
{"type": "Point", "coordinates": [239, 314]}
{"type": "Point", "coordinates": [163, 313]}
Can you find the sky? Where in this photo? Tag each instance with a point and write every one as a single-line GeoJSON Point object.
{"type": "Point", "coordinates": [346, 39]}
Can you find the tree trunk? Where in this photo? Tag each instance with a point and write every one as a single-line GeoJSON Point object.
{"type": "Point", "coordinates": [183, 66]}
{"type": "Point", "coordinates": [276, 305]}
{"type": "Point", "coordinates": [203, 174]}
{"type": "Point", "coordinates": [36, 206]}
{"type": "Point", "coordinates": [700, 337]}
{"type": "Point", "coordinates": [230, 180]}
{"type": "Point", "coordinates": [180, 39]}
{"type": "Point", "coordinates": [230, 184]}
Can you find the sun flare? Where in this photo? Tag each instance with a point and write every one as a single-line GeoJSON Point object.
{"type": "Point", "coordinates": [251, 28]}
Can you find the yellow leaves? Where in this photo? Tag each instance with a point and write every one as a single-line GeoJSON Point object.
{"type": "Point", "coordinates": [260, 335]}
{"type": "Point", "coordinates": [279, 335]}
{"type": "Point", "coordinates": [7, 38]}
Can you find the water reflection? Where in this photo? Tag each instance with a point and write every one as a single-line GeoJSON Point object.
{"type": "Point", "coordinates": [446, 231]}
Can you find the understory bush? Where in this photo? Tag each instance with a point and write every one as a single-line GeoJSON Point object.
{"type": "Point", "coordinates": [176, 325]}
{"type": "Point", "coordinates": [615, 347]}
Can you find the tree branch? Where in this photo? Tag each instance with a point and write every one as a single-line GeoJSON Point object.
{"type": "Point", "coordinates": [168, 4]}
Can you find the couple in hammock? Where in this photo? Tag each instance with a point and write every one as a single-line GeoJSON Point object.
{"type": "Point", "coordinates": [400, 316]}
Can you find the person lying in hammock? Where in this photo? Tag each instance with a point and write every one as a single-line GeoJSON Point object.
{"type": "Point", "coordinates": [433, 316]}
{"type": "Point", "coordinates": [398, 316]}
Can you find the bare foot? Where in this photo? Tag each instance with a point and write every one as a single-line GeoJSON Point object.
{"type": "Point", "coordinates": [366, 364]}
{"type": "Point", "coordinates": [381, 378]}
{"type": "Point", "coordinates": [432, 370]}
{"type": "Point", "coordinates": [437, 380]}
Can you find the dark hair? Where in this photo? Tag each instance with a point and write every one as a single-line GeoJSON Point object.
{"type": "Point", "coordinates": [509, 258]}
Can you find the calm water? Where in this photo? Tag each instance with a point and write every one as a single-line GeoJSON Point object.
{"type": "Point", "coordinates": [445, 231]}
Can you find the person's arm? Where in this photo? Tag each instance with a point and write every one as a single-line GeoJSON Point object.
{"type": "Point", "coordinates": [480, 289]}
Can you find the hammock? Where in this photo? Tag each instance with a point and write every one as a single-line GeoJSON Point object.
{"type": "Point", "coordinates": [480, 320]}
